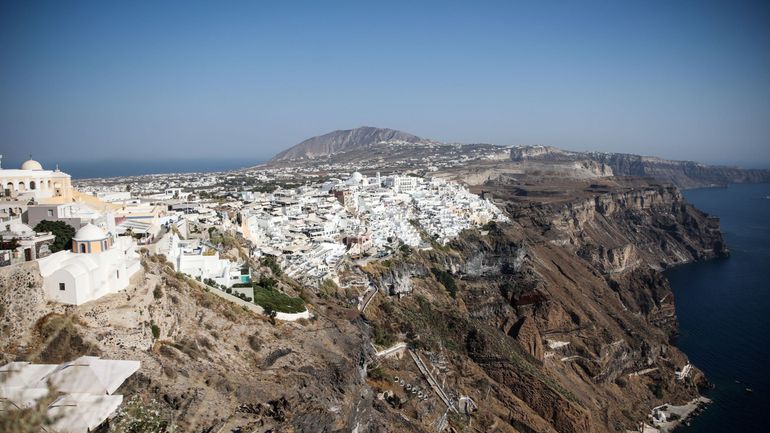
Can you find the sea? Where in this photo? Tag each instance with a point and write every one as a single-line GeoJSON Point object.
{"type": "Point", "coordinates": [724, 311]}
{"type": "Point", "coordinates": [119, 168]}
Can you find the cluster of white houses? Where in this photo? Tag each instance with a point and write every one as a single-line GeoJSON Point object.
{"type": "Point", "coordinates": [199, 260]}
{"type": "Point", "coordinates": [110, 226]}
{"type": "Point", "coordinates": [311, 228]}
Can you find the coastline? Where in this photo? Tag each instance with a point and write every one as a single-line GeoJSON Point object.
{"type": "Point", "coordinates": [667, 417]}
{"type": "Point", "coordinates": [725, 291]}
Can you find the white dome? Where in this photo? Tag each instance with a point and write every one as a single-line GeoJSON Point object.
{"type": "Point", "coordinates": [89, 232]}
{"type": "Point", "coordinates": [31, 164]}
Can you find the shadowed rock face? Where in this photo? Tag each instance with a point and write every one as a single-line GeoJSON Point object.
{"type": "Point", "coordinates": [525, 332]}
{"type": "Point", "coordinates": [343, 141]}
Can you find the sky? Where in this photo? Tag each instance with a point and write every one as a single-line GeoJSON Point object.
{"type": "Point", "coordinates": [242, 80]}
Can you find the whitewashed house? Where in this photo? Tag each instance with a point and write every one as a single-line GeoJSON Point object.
{"type": "Point", "coordinates": [97, 265]}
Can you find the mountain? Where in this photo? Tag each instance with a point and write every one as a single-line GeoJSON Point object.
{"type": "Point", "coordinates": [344, 141]}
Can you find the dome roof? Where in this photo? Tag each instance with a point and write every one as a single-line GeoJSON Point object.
{"type": "Point", "coordinates": [90, 232]}
{"type": "Point", "coordinates": [31, 164]}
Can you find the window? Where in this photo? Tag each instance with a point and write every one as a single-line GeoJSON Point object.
{"type": "Point", "coordinates": [61, 286]}
{"type": "Point", "coordinates": [50, 212]}
{"type": "Point", "coordinates": [82, 248]}
{"type": "Point", "coordinates": [117, 273]}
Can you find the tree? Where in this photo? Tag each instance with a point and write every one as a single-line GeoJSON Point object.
{"type": "Point", "coordinates": [155, 331]}
{"type": "Point", "coordinates": [446, 279]}
{"type": "Point", "coordinates": [63, 232]}
{"type": "Point", "coordinates": [271, 314]}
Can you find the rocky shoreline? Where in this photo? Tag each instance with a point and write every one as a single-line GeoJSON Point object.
{"type": "Point", "coordinates": [667, 418]}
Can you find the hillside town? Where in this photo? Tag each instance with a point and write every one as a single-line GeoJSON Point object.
{"type": "Point", "coordinates": [89, 239]}
{"type": "Point", "coordinates": [309, 230]}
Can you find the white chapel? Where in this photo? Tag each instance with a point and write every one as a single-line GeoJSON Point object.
{"type": "Point", "coordinates": [98, 264]}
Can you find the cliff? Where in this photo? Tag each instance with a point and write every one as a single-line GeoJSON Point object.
{"type": "Point", "coordinates": [560, 321]}
{"type": "Point", "coordinates": [684, 174]}
{"type": "Point", "coordinates": [213, 365]}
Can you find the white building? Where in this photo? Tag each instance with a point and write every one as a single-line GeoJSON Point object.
{"type": "Point", "coordinates": [403, 184]}
{"type": "Point", "coordinates": [28, 244]}
{"type": "Point", "coordinates": [88, 385]}
{"type": "Point", "coordinates": [32, 181]}
{"type": "Point", "coordinates": [194, 259]}
{"type": "Point", "coordinates": [74, 214]}
{"type": "Point", "coordinates": [99, 264]}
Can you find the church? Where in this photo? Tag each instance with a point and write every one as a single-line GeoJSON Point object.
{"type": "Point", "coordinates": [33, 182]}
{"type": "Point", "coordinates": [98, 264]}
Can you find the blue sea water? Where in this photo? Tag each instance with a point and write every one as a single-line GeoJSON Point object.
{"type": "Point", "coordinates": [115, 168]}
{"type": "Point", "coordinates": [724, 311]}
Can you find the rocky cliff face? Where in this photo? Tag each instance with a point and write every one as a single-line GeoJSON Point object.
{"type": "Point", "coordinates": [564, 314]}
{"type": "Point", "coordinates": [684, 174]}
{"type": "Point", "coordinates": [344, 141]}
{"type": "Point", "coordinates": [213, 367]}
{"type": "Point", "coordinates": [560, 321]}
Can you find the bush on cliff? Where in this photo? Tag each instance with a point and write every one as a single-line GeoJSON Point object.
{"type": "Point", "coordinates": [277, 301]}
{"type": "Point", "coordinates": [447, 280]}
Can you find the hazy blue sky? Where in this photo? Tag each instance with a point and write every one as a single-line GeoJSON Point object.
{"type": "Point", "coordinates": [228, 79]}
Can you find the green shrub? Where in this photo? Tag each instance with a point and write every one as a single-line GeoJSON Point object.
{"type": "Point", "coordinates": [328, 288]}
{"type": "Point", "coordinates": [490, 226]}
{"type": "Point", "coordinates": [271, 263]}
{"type": "Point", "coordinates": [657, 389]}
{"type": "Point", "coordinates": [277, 301]}
{"type": "Point", "coordinates": [63, 232]}
{"type": "Point", "coordinates": [447, 280]}
{"type": "Point", "coordinates": [267, 282]}
{"type": "Point", "coordinates": [382, 336]}
{"type": "Point", "coordinates": [376, 373]}
{"type": "Point", "coordinates": [155, 331]}
{"type": "Point", "coordinates": [138, 416]}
